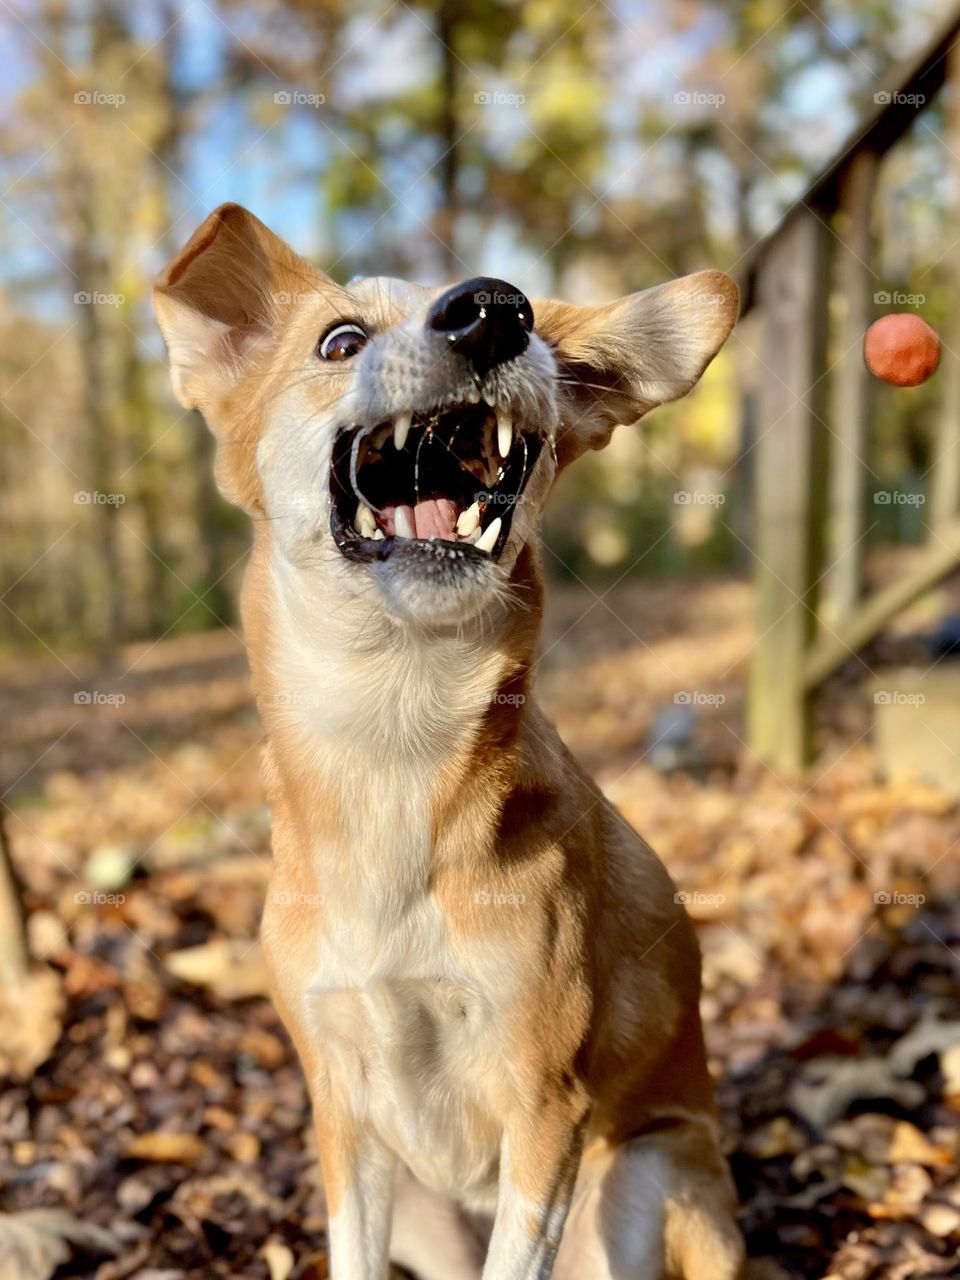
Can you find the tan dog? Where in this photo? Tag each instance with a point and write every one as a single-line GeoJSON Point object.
{"type": "Point", "coordinates": [492, 989]}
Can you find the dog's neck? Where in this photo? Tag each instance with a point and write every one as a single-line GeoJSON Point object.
{"type": "Point", "coordinates": [361, 712]}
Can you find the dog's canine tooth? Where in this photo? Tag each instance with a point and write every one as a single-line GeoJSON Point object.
{"type": "Point", "coordinates": [504, 432]}
{"type": "Point", "coordinates": [401, 429]}
{"type": "Point", "coordinates": [488, 538]}
{"type": "Point", "coordinates": [403, 525]}
{"type": "Point", "coordinates": [474, 537]}
{"type": "Point", "coordinates": [469, 520]}
{"type": "Point", "coordinates": [364, 521]}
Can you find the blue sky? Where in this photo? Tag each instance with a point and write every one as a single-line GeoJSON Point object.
{"type": "Point", "coordinates": [244, 150]}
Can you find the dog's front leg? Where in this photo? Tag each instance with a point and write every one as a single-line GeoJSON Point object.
{"type": "Point", "coordinates": [539, 1159]}
{"type": "Point", "coordinates": [359, 1177]}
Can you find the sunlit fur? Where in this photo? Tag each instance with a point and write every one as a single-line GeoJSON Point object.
{"type": "Point", "coordinates": [488, 980]}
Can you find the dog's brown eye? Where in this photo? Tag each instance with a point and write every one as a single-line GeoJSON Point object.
{"type": "Point", "coordinates": [342, 342]}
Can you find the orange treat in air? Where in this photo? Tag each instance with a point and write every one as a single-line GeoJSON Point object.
{"type": "Point", "coordinates": [902, 349]}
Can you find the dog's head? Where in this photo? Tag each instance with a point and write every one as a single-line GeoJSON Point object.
{"type": "Point", "coordinates": [402, 440]}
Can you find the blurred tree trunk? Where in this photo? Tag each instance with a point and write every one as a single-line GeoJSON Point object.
{"type": "Point", "coordinates": [86, 234]}
{"type": "Point", "coordinates": [109, 623]}
{"type": "Point", "coordinates": [149, 476]}
{"type": "Point", "coordinates": [208, 523]}
{"type": "Point", "coordinates": [14, 956]}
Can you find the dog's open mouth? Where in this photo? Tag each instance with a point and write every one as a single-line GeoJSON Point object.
{"type": "Point", "coordinates": [446, 481]}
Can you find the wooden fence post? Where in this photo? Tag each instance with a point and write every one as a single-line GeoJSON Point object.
{"type": "Point", "coordinates": [789, 487]}
{"type": "Point", "coordinates": [945, 468]}
{"type": "Point", "coordinates": [850, 388]}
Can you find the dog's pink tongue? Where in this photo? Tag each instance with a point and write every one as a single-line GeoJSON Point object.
{"type": "Point", "coordinates": [430, 518]}
{"type": "Point", "coordinates": [435, 518]}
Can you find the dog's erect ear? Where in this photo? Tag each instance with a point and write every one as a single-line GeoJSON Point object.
{"type": "Point", "coordinates": [619, 360]}
{"type": "Point", "coordinates": [219, 301]}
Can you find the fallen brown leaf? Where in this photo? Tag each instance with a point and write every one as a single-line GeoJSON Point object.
{"type": "Point", "coordinates": [908, 1144]}
{"type": "Point", "coordinates": [244, 1146]}
{"type": "Point", "coordinates": [232, 968]}
{"type": "Point", "coordinates": [31, 1016]}
{"type": "Point", "coordinates": [941, 1219]}
{"type": "Point", "coordinates": [166, 1148]}
{"type": "Point", "coordinates": [828, 1086]}
{"type": "Point", "coordinates": [37, 1241]}
{"type": "Point", "coordinates": [279, 1259]}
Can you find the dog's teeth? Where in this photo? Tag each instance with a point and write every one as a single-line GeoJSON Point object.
{"type": "Point", "coordinates": [402, 524]}
{"type": "Point", "coordinates": [364, 522]}
{"type": "Point", "coordinates": [469, 520]}
{"type": "Point", "coordinates": [401, 429]}
{"type": "Point", "coordinates": [379, 535]}
{"type": "Point", "coordinates": [474, 537]}
{"type": "Point", "coordinates": [504, 432]}
{"type": "Point", "coordinates": [488, 538]}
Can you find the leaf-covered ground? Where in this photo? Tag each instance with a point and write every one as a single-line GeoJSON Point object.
{"type": "Point", "coordinates": [169, 1109]}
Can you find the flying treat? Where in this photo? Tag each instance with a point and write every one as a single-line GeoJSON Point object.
{"type": "Point", "coordinates": [902, 349]}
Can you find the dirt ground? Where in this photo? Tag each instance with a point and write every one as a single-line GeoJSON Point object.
{"type": "Point", "coordinates": [168, 1115]}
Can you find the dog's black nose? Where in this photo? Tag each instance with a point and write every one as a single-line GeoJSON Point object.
{"type": "Point", "coordinates": [486, 320]}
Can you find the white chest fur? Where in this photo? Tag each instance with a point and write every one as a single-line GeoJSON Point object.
{"type": "Point", "coordinates": [404, 1009]}
{"type": "Point", "coordinates": [408, 1028]}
